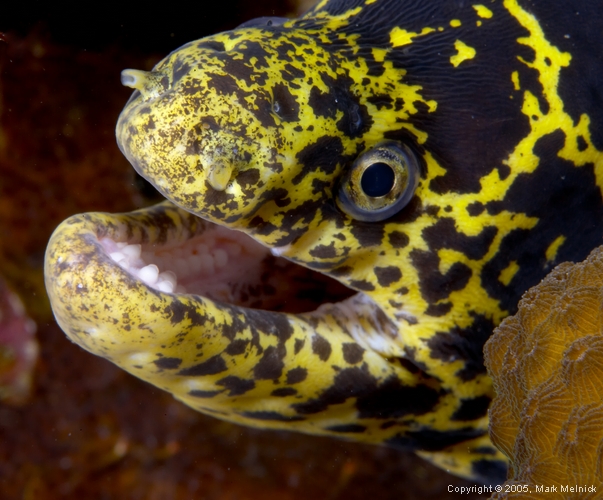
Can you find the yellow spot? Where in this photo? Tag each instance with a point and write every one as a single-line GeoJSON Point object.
{"type": "Point", "coordinates": [515, 80]}
{"type": "Point", "coordinates": [464, 52]}
{"type": "Point", "coordinates": [482, 11]}
{"type": "Point", "coordinates": [399, 37]}
{"type": "Point", "coordinates": [551, 251]}
{"type": "Point", "coordinates": [455, 23]}
{"type": "Point", "coordinates": [368, 2]}
{"type": "Point", "coordinates": [506, 275]}
{"type": "Point", "coordinates": [478, 23]}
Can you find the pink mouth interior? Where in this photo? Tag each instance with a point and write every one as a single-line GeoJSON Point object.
{"type": "Point", "coordinates": [228, 266]}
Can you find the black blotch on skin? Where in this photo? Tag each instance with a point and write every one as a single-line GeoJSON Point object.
{"type": "Point", "coordinates": [581, 143]}
{"type": "Point", "coordinates": [298, 345]}
{"type": "Point", "coordinates": [236, 385]}
{"type": "Point", "coordinates": [211, 45]}
{"type": "Point", "coordinates": [179, 70]}
{"type": "Point", "coordinates": [213, 365]}
{"type": "Point", "coordinates": [381, 101]}
{"type": "Point", "coordinates": [438, 310]}
{"type": "Point", "coordinates": [203, 394]}
{"type": "Point", "coordinates": [475, 208]}
{"type": "Point", "coordinates": [472, 409]}
{"type": "Point", "coordinates": [398, 239]}
{"type": "Point", "coordinates": [434, 285]}
{"type": "Point", "coordinates": [249, 177]}
{"type": "Point", "coordinates": [352, 353]}
{"type": "Point", "coordinates": [237, 347]}
{"type": "Point", "coordinates": [270, 415]}
{"type": "Point", "coordinates": [270, 324]}
{"type": "Point", "coordinates": [239, 69]}
{"type": "Point", "coordinates": [304, 214]}
{"type": "Point", "coordinates": [321, 347]}
{"type": "Point", "coordinates": [387, 275]}
{"type": "Point", "coordinates": [342, 271]}
{"type": "Point", "coordinates": [347, 428]}
{"type": "Point", "coordinates": [288, 107]}
{"type": "Point", "coordinates": [432, 440]}
{"type": "Point", "coordinates": [393, 400]}
{"type": "Point", "coordinates": [410, 353]}
{"type": "Point", "coordinates": [367, 234]}
{"type": "Point", "coordinates": [270, 366]}
{"type": "Point", "coordinates": [232, 330]}
{"type": "Point", "coordinates": [223, 84]}
{"type": "Point", "coordinates": [324, 154]}
{"type": "Point", "coordinates": [503, 171]}
{"type": "Point", "coordinates": [324, 251]}
{"type": "Point", "coordinates": [363, 285]}
{"type": "Point", "coordinates": [262, 109]}
{"type": "Point", "coordinates": [410, 213]}
{"type": "Point", "coordinates": [443, 234]}
{"type": "Point", "coordinates": [168, 363]}
{"type": "Point", "coordinates": [296, 375]}
{"type": "Point", "coordinates": [465, 344]}
{"type": "Point", "coordinates": [390, 399]}
{"type": "Point", "coordinates": [256, 50]}
{"type": "Point", "coordinates": [290, 72]}
{"type": "Point", "coordinates": [280, 197]}
{"type": "Point", "coordinates": [284, 392]}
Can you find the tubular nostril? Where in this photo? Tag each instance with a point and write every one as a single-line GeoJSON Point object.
{"type": "Point", "coordinates": [150, 84]}
{"type": "Point", "coordinates": [134, 78]}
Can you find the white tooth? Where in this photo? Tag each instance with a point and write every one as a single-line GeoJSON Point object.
{"type": "Point", "coordinates": [117, 256]}
{"type": "Point", "coordinates": [168, 276]}
{"type": "Point", "coordinates": [132, 251]}
{"type": "Point", "coordinates": [149, 274]}
{"type": "Point", "coordinates": [207, 263]}
{"type": "Point", "coordinates": [220, 258]}
{"type": "Point", "coordinates": [233, 249]}
{"type": "Point", "coordinates": [165, 286]}
{"type": "Point", "coordinates": [121, 244]}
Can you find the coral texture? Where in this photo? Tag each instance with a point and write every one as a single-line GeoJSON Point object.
{"type": "Point", "coordinates": [547, 367]}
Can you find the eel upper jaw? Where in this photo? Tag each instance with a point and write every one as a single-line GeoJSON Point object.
{"type": "Point", "coordinates": [167, 253]}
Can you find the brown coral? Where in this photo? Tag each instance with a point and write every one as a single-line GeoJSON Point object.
{"type": "Point", "coordinates": [547, 367]}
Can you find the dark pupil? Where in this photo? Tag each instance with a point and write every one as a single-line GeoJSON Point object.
{"type": "Point", "coordinates": [377, 180]}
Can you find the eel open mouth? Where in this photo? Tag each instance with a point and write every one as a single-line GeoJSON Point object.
{"type": "Point", "coordinates": [220, 264]}
{"type": "Point", "coordinates": [213, 317]}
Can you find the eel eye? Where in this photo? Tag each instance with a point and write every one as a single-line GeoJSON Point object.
{"type": "Point", "coordinates": [379, 183]}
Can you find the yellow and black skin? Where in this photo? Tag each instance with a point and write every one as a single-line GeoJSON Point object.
{"type": "Point", "coordinates": [498, 107]}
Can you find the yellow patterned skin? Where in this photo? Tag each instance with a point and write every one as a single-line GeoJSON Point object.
{"type": "Point", "coordinates": [254, 130]}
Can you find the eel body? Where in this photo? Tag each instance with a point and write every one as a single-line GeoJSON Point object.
{"type": "Point", "coordinates": [357, 198]}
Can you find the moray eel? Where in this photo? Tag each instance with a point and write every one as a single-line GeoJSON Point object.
{"type": "Point", "coordinates": [357, 198]}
